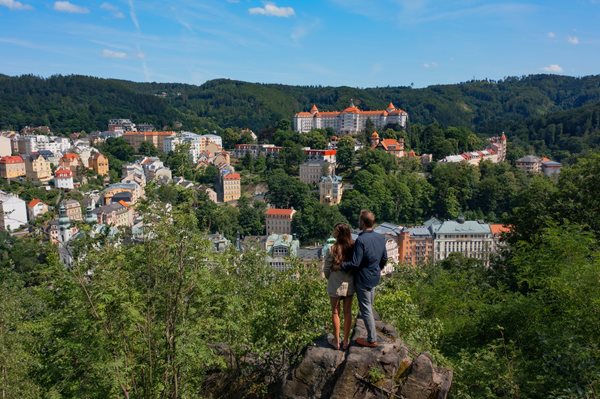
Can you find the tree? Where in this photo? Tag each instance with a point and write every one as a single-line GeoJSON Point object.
{"type": "Point", "coordinates": [148, 149]}
{"type": "Point", "coordinates": [286, 191]}
{"type": "Point", "coordinates": [345, 153]}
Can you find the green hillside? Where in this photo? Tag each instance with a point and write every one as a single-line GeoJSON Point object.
{"type": "Point", "coordinates": [552, 114]}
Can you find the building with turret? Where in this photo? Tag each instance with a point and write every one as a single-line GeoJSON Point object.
{"type": "Point", "coordinates": [349, 121]}
{"type": "Point", "coordinates": [331, 189]}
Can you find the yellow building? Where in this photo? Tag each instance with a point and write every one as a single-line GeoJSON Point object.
{"type": "Point", "coordinates": [99, 163]}
{"type": "Point", "coordinates": [232, 188]}
{"type": "Point", "coordinates": [157, 139]}
{"type": "Point", "coordinates": [12, 167]}
{"type": "Point", "coordinates": [38, 168]}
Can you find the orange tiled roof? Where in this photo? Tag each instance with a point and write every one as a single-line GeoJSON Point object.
{"type": "Point", "coordinates": [232, 176]}
{"type": "Point", "coordinates": [391, 142]}
{"type": "Point", "coordinates": [123, 203]}
{"type": "Point", "coordinates": [498, 229]}
{"type": "Point", "coordinates": [34, 202]}
{"type": "Point", "coordinates": [70, 156]}
{"type": "Point", "coordinates": [11, 159]}
{"type": "Point", "coordinates": [279, 212]}
{"type": "Point", "coordinates": [391, 106]}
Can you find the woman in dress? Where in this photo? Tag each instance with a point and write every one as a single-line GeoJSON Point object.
{"type": "Point", "coordinates": [340, 284]}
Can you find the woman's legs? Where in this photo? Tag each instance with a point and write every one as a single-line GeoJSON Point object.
{"type": "Point", "coordinates": [335, 318]}
{"type": "Point", "coordinates": [347, 319]}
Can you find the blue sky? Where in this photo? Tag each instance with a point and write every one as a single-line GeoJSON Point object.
{"type": "Point", "coordinates": [360, 43]}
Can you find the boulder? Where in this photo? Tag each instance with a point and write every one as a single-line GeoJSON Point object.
{"type": "Point", "coordinates": [364, 373]}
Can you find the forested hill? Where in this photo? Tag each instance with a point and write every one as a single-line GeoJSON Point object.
{"type": "Point", "coordinates": [68, 103]}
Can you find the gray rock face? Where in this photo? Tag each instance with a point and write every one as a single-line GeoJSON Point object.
{"type": "Point", "coordinates": [366, 373]}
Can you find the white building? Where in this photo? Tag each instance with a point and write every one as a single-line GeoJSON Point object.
{"type": "Point", "coordinates": [198, 143]}
{"type": "Point", "coordinates": [13, 212]}
{"type": "Point", "coordinates": [5, 146]}
{"type": "Point", "coordinates": [63, 179]}
{"type": "Point", "coordinates": [495, 152]}
{"type": "Point", "coordinates": [35, 143]}
{"type": "Point", "coordinates": [471, 238]}
{"type": "Point", "coordinates": [331, 189]}
{"type": "Point", "coordinates": [349, 121]}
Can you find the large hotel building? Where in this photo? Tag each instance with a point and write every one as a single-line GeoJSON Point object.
{"type": "Point", "coordinates": [349, 121]}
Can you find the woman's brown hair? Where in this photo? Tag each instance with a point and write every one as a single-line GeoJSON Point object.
{"type": "Point", "coordinates": [344, 244]}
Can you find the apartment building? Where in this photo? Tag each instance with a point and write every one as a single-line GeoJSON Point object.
{"type": "Point", "coordinates": [12, 167]}
{"type": "Point", "coordinates": [279, 221]}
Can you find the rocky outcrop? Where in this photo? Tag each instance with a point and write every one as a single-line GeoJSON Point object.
{"type": "Point", "coordinates": [386, 371]}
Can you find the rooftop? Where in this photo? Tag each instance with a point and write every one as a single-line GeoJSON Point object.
{"type": "Point", "coordinates": [279, 212]}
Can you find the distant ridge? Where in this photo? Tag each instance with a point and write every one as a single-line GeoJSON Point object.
{"type": "Point", "coordinates": [69, 103]}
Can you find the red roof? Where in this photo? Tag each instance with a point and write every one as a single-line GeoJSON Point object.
{"type": "Point", "coordinates": [34, 202]}
{"type": "Point", "coordinates": [391, 106]}
{"type": "Point", "coordinates": [70, 156]}
{"type": "Point", "coordinates": [498, 229]}
{"type": "Point", "coordinates": [232, 176]}
{"type": "Point", "coordinates": [392, 142]}
{"type": "Point", "coordinates": [279, 212]}
{"type": "Point", "coordinates": [11, 159]}
{"type": "Point", "coordinates": [63, 173]}
{"type": "Point", "coordinates": [123, 203]}
{"type": "Point", "coordinates": [314, 109]}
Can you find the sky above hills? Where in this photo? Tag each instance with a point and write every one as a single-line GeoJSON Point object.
{"type": "Point", "coordinates": [330, 42]}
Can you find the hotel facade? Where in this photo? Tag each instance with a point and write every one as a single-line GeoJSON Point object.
{"type": "Point", "coordinates": [349, 121]}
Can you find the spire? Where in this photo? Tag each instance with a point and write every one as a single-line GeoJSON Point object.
{"type": "Point", "coordinates": [314, 109]}
{"type": "Point", "coordinates": [63, 219]}
{"type": "Point", "coordinates": [390, 107]}
{"type": "Point", "coordinates": [503, 136]}
{"type": "Point", "coordinates": [89, 216]}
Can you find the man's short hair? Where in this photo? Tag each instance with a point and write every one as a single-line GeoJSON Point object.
{"type": "Point", "coordinates": [367, 218]}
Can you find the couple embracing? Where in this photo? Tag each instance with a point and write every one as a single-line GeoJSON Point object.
{"type": "Point", "coordinates": [354, 267]}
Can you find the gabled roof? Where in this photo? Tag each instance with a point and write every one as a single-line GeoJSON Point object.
{"type": "Point", "coordinates": [232, 176]}
{"type": "Point", "coordinates": [63, 173]}
{"type": "Point", "coordinates": [34, 202]}
{"type": "Point", "coordinates": [70, 156]}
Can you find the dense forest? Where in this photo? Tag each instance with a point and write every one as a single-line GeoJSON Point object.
{"type": "Point", "coordinates": [551, 114]}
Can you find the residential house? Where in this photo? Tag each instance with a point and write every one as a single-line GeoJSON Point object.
{"type": "Point", "coordinates": [391, 146]}
{"type": "Point", "coordinates": [115, 214]}
{"type": "Point", "coordinates": [279, 221]}
{"type": "Point", "coordinates": [312, 171]}
{"type": "Point", "coordinates": [63, 179]}
{"type": "Point", "coordinates": [99, 164]}
{"type": "Point", "coordinates": [37, 168]}
{"type": "Point", "coordinates": [73, 210]}
{"type": "Point", "coordinates": [530, 164]}
{"type": "Point", "coordinates": [71, 161]}
{"type": "Point", "coordinates": [331, 189]}
{"type": "Point", "coordinates": [35, 208]}
{"type": "Point", "coordinates": [12, 167]}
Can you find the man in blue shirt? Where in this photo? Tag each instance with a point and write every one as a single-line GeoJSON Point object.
{"type": "Point", "coordinates": [369, 258]}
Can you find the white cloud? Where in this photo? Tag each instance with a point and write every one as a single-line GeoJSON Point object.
{"type": "Point", "coordinates": [271, 10]}
{"type": "Point", "coordinates": [573, 40]}
{"type": "Point", "coordinates": [551, 35]}
{"type": "Point", "coordinates": [114, 10]}
{"type": "Point", "coordinates": [67, 6]}
{"type": "Point", "coordinates": [15, 5]}
{"type": "Point", "coordinates": [106, 53]}
{"type": "Point", "coordinates": [428, 65]}
{"type": "Point", "coordinates": [553, 68]}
